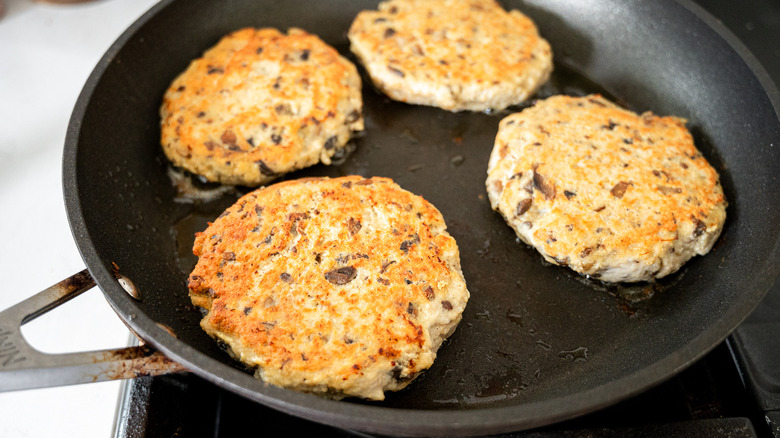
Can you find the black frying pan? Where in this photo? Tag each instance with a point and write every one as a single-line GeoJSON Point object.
{"type": "Point", "coordinates": [538, 344]}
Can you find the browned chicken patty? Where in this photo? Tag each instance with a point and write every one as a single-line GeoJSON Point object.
{"type": "Point", "coordinates": [341, 287]}
{"type": "Point", "coordinates": [452, 54]}
{"type": "Point", "coordinates": [260, 104]}
{"type": "Point", "coordinates": [614, 195]}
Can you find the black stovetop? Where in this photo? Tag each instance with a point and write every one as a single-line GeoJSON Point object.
{"type": "Point", "coordinates": [734, 391]}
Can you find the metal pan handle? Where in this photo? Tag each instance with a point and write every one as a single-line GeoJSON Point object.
{"type": "Point", "coordinates": [24, 367]}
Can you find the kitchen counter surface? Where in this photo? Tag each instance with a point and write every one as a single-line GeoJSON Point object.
{"type": "Point", "coordinates": [47, 52]}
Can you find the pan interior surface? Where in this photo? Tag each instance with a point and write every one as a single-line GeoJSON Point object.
{"type": "Point", "coordinates": [537, 343]}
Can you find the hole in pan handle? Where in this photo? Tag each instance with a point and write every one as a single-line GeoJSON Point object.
{"type": "Point", "coordinates": [24, 367]}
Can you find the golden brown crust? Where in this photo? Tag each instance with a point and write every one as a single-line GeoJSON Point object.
{"type": "Point", "coordinates": [259, 104]}
{"type": "Point", "coordinates": [607, 192]}
{"type": "Point", "coordinates": [342, 286]}
{"type": "Point", "coordinates": [453, 54]}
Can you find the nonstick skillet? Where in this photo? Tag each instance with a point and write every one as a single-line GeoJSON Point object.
{"type": "Point", "coordinates": [538, 344]}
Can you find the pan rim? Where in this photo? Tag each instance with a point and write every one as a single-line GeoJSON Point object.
{"type": "Point", "coordinates": [747, 56]}
{"type": "Point", "coordinates": [381, 419]}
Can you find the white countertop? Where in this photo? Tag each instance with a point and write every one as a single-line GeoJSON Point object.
{"type": "Point", "coordinates": [47, 51]}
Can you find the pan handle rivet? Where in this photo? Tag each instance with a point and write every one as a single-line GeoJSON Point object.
{"type": "Point", "coordinates": [128, 286]}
